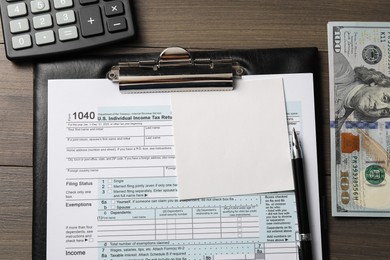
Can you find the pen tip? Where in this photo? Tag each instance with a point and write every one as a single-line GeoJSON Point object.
{"type": "Point", "coordinates": [296, 150]}
{"type": "Point", "coordinates": [294, 136]}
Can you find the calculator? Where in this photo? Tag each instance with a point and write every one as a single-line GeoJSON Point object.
{"type": "Point", "coordinates": [41, 28]}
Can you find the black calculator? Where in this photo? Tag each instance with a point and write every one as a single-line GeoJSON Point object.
{"type": "Point", "coordinates": [42, 28]}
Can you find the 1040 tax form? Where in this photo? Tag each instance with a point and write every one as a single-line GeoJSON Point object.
{"type": "Point", "coordinates": [112, 187]}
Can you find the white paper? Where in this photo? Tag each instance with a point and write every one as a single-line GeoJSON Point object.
{"type": "Point", "coordinates": [232, 142]}
{"type": "Point", "coordinates": [112, 187]}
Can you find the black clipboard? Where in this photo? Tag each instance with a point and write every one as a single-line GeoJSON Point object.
{"type": "Point", "coordinates": [250, 62]}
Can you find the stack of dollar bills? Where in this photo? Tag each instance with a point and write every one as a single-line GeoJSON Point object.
{"type": "Point", "coordinates": [359, 70]}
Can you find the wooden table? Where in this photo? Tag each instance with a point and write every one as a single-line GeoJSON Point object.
{"type": "Point", "coordinates": [199, 24]}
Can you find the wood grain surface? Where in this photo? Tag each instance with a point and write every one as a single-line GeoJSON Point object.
{"type": "Point", "coordinates": [191, 24]}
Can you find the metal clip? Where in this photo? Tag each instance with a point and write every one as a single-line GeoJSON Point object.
{"type": "Point", "coordinates": [175, 70]}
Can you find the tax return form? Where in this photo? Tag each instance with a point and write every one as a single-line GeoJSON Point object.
{"type": "Point", "coordinates": [112, 188]}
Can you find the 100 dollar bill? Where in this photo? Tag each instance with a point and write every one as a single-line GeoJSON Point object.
{"type": "Point", "coordinates": [359, 69]}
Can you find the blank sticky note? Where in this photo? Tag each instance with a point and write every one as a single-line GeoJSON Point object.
{"type": "Point", "coordinates": [232, 142]}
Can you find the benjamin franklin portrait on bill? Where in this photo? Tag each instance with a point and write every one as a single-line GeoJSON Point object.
{"type": "Point", "coordinates": [362, 92]}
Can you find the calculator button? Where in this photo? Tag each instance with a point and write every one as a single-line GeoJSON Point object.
{"type": "Point", "coordinates": [21, 41]}
{"type": "Point", "coordinates": [117, 24]}
{"type": "Point", "coordinates": [91, 21]}
{"type": "Point", "coordinates": [20, 25]}
{"type": "Point", "coordinates": [85, 2]}
{"type": "Point", "coordinates": [68, 33]}
{"type": "Point", "coordinates": [114, 8]}
{"type": "Point", "coordinates": [65, 17]}
{"type": "Point", "coordinates": [38, 6]}
{"type": "Point", "coordinates": [15, 10]}
{"type": "Point", "coordinates": [42, 21]}
{"type": "Point", "coordinates": [59, 4]}
{"type": "Point", "coordinates": [46, 37]}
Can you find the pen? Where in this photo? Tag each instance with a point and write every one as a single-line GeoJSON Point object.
{"type": "Point", "coordinates": [304, 249]}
